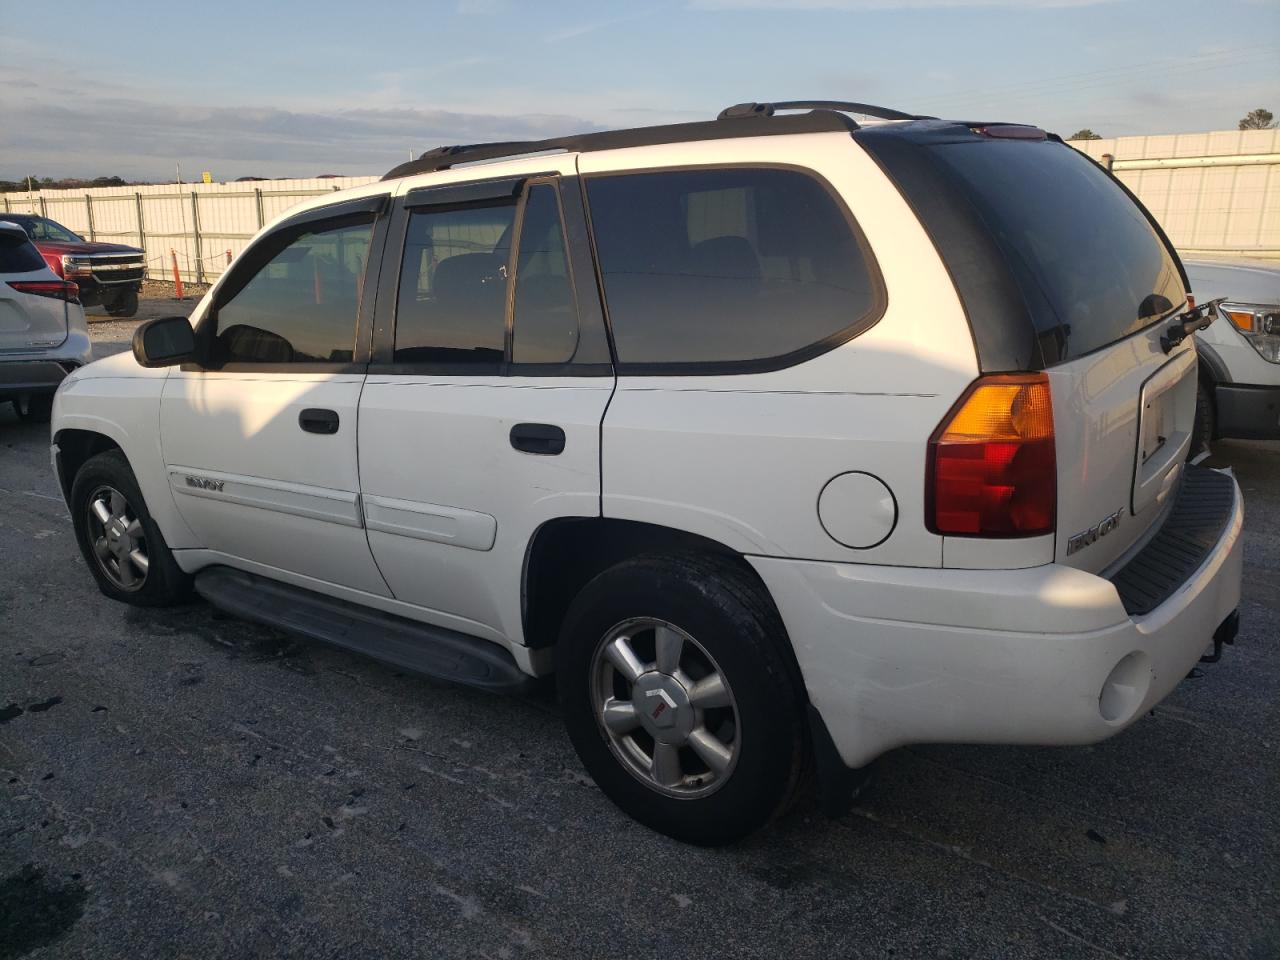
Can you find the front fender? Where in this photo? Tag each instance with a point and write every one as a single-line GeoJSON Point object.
{"type": "Point", "coordinates": [126, 410]}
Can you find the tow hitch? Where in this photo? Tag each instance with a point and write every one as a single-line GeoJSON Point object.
{"type": "Point", "coordinates": [1226, 633]}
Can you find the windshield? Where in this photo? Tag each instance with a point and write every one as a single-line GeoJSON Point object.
{"type": "Point", "coordinates": [40, 228]}
{"type": "Point", "coordinates": [1091, 268]}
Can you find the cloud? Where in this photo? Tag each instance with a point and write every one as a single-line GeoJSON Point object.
{"type": "Point", "coordinates": [134, 138]}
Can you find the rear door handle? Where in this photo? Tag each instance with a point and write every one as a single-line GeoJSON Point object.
{"type": "Point", "coordinates": [316, 420]}
{"type": "Point", "coordinates": [542, 438]}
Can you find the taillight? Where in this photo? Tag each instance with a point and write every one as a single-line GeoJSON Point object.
{"type": "Point", "coordinates": [58, 289]}
{"type": "Point", "coordinates": [992, 465]}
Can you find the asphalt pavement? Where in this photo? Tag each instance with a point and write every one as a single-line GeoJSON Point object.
{"type": "Point", "coordinates": [176, 784]}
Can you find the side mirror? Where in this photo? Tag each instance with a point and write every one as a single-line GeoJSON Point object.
{"type": "Point", "coordinates": [164, 342]}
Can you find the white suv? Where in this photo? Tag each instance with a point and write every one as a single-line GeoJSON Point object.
{"type": "Point", "coordinates": [781, 440]}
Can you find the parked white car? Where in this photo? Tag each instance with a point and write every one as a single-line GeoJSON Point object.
{"type": "Point", "coordinates": [1239, 359]}
{"type": "Point", "coordinates": [781, 440]}
{"type": "Point", "coordinates": [43, 332]}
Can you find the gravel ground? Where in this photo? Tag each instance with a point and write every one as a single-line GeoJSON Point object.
{"type": "Point", "coordinates": [177, 784]}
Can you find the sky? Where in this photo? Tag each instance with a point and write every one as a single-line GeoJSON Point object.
{"type": "Point", "coordinates": [279, 88]}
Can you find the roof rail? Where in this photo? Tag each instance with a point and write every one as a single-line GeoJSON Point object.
{"type": "Point", "coordinates": [749, 120]}
{"type": "Point", "coordinates": [739, 110]}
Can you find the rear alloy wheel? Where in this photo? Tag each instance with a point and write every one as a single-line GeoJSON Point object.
{"type": "Point", "coordinates": [666, 708]}
{"type": "Point", "coordinates": [681, 697]}
{"type": "Point", "coordinates": [120, 542]}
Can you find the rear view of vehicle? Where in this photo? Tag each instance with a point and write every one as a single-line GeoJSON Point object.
{"type": "Point", "coordinates": [43, 334]}
{"type": "Point", "coordinates": [1086, 567]}
{"type": "Point", "coordinates": [109, 274]}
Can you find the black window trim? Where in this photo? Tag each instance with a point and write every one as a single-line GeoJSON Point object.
{"type": "Point", "coordinates": [859, 326]}
{"type": "Point", "coordinates": [263, 249]}
{"type": "Point", "coordinates": [497, 192]}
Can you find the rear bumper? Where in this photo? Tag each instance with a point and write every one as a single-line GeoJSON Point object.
{"type": "Point", "coordinates": [1047, 655]}
{"type": "Point", "coordinates": [1247, 412]}
{"type": "Point", "coordinates": [41, 373]}
{"type": "Point", "coordinates": [25, 377]}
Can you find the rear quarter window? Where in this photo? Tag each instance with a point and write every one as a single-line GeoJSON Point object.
{"type": "Point", "coordinates": [728, 269]}
{"type": "Point", "coordinates": [18, 254]}
{"type": "Point", "coordinates": [1091, 268]}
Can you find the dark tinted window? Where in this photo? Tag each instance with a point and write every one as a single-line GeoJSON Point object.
{"type": "Point", "coordinates": [18, 254]}
{"type": "Point", "coordinates": [302, 305]}
{"type": "Point", "coordinates": [546, 319]}
{"type": "Point", "coordinates": [1090, 267]}
{"type": "Point", "coordinates": [707, 266]}
{"type": "Point", "coordinates": [453, 286]}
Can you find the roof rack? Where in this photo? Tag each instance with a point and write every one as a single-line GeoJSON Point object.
{"type": "Point", "coordinates": [739, 110]}
{"type": "Point", "coordinates": [748, 120]}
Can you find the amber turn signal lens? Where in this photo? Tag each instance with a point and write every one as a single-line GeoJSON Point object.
{"type": "Point", "coordinates": [992, 461]}
{"type": "Point", "coordinates": [1243, 319]}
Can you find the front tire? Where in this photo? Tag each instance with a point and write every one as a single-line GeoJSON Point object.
{"type": "Point", "coordinates": [679, 696]}
{"type": "Point", "coordinates": [120, 541]}
{"type": "Point", "coordinates": [125, 305]}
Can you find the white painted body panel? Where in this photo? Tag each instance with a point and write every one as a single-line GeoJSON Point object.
{"type": "Point", "coordinates": [121, 400]}
{"type": "Point", "coordinates": [892, 656]}
{"type": "Point", "coordinates": [742, 458]}
{"type": "Point", "coordinates": [1098, 412]}
{"type": "Point", "coordinates": [289, 498]}
{"type": "Point", "coordinates": [438, 448]}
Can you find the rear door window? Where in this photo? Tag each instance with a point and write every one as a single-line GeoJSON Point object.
{"type": "Point", "coordinates": [452, 303]}
{"type": "Point", "coordinates": [1091, 268]}
{"type": "Point", "coordinates": [728, 269]}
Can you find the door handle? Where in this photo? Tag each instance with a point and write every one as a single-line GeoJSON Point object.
{"type": "Point", "coordinates": [542, 438]}
{"type": "Point", "coordinates": [316, 420]}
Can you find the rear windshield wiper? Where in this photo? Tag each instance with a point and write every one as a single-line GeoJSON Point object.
{"type": "Point", "coordinates": [1185, 324]}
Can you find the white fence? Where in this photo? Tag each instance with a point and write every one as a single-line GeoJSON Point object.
{"type": "Point", "coordinates": [1215, 193]}
{"type": "Point", "coordinates": [199, 222]}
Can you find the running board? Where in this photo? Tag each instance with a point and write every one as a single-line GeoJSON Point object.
{"type": "Point", "coordinates": [408, 644]}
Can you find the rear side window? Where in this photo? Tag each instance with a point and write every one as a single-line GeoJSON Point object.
{"type": "Point", "coordinates": [301, 306]}
{"type": "Point", "coordinates": [721, 268]}
{"type": "Point", "coordinates": [545, 323]}
{"type": "Point", "coordinates": [1090, 267]}
{"type": "Point", "coordinates": [18, 254]}
{"type": "Point", "coordinates": [453, 286]}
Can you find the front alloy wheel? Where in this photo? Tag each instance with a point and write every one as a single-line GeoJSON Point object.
{"type": "Point", "coordinates": [665, 707]}
{"type": "Point", "coordinates": [119, 540]}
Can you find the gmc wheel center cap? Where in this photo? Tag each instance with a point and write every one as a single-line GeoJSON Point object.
{"type": "Point", "coordinates": [662, 703]}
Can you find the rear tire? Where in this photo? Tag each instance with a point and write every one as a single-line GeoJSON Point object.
{"type": "Point", "coordinates": [721, 746]}
{"type": "Point", "coordinates": [125, 305]}
{"type": "Point", "coordinates": [121, 543]}
{"type": "Point", "coordinates": [1202, 429]}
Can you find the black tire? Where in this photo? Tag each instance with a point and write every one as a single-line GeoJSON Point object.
{"type": "Point", "coordinates": [125, 305]}
{"type": "Point", "coordinates": [1202, 429]}
{"type": "Point", "coordinates": [726, 611]}
{"type": "Point", "coordinates": [163, 583]}
{"type": "Point", "coordinates": [34, 408]}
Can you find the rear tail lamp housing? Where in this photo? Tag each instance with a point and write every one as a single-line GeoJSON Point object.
{"type": "Point", "coordinates": [58, 289]}
{"type": "Point", "coordinates": [992, 465]}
